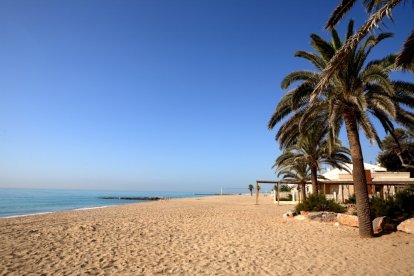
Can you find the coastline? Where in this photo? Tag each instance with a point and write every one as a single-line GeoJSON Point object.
{"type": "Point", "coordinates": [204, 235]}
{"type": "Point", "coordinates": [29, 202]}
{"type": "Point", "coordinates": [53, 212]}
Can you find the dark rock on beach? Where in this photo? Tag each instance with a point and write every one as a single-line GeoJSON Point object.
{"type": "Point", "coordinates": [132, 198]}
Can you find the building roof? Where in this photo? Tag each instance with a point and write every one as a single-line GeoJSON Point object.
{"type": "Point", "coordinates": [334, 173]}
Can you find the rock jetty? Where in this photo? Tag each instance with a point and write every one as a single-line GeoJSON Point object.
{"type": "Point", "coordinates": [133, 198]}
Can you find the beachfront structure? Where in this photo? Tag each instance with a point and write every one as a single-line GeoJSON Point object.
{"type": "Point", "coordinates": [339, 183]}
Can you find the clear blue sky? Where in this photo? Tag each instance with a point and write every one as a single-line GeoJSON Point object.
{"type": "Point", "coordinates": [151, 95]}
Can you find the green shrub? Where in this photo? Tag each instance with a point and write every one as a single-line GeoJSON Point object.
{"type": "Point", "coordinates": [380, 207]}
{"type": "Point", "coordinates": [315, 203]}
{"type": "Point", "coordinates": [401, 205]}
{"type": "Point", "coordinates": [404, 203]}
{"type": "Point", "coordinates": [351, 199]}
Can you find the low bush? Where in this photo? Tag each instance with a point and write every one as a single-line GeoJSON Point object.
{"type": "Point", "coordinates": [399, 206]}
{"type": "Point", "coordinates": [351, 199]}
{"type": "Point", "coordinates": [316, 203]}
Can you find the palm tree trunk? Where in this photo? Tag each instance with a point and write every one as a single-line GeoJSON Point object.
{"type": "Point", "coordinates": [303, 187]}
{"type": "Point", "coordinates": [360, 181]}
{"type": "Point", "coordinates": [314, 176]}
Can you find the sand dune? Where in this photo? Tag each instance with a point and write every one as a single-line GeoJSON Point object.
{"type": "Point", "coordinates": [226, 235]}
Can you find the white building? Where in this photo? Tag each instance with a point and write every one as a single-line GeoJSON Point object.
{"type": "Point", "coordinates": [380, 182]}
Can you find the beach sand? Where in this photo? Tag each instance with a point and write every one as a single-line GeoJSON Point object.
{"type": "Point", "coordinates": [223, 235]}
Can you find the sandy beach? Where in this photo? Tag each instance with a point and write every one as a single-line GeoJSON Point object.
{"type": "Point", "coordinates": [227, 235]}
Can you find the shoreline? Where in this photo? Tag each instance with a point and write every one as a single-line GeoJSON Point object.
{"type": "Point", "coordinates": [227, 235]}
{"type": "Point", "coordinates": [59, 211]}
{"type": "Point", "coordinates": [120, 201]}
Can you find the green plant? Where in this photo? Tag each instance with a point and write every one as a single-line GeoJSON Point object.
{"type": "Point", "coordinates": [351, 96]}
{"type": "Point", "coordinates": [404, 202]}
{"type": "Point", "coordinates": [319, 203]}
{"type": "Point", "coordinates": [351, 199]}
{"type": "Point", "coordinates": [380, 207]}
{"type": "Point", "coordinates": [251, 189]}
{"type": "Point", "coordinates": [400, 206]}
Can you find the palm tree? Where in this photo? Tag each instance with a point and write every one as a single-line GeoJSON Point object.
{"type": "Point", "coordinates": [378, 9]}
{"type": "Point", "coordinates": [353, 94]}
{"type": "Point", "coordinates": [293, 169]}
{"type": "Point", "coordinates": [311, 145]}
{"type": "Point", "coordinates": [251, 189]}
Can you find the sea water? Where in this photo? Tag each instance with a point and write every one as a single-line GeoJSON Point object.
{"type": "Point", "coordinates": [18, 202]}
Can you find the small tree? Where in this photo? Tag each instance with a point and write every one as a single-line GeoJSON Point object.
{"type": "Point", "coordinates": [398, 151]}
{"type": "Point", "coordinates": [251, 189]}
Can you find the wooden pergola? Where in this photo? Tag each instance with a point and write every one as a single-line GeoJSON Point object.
{"type": "Point", "coordinates": [330, 182]}
{"type": "Point", "coordinates": [273, 182]}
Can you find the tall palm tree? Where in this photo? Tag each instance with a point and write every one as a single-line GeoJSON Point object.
{"type": "Point", "coordinates": [352, 95]}
{"type": "Point", "coordinates": [378, 9]}
{"type": "Point", "coordinates": [290, 168]}
{"type": "Point", "coordinates": [310, 144]}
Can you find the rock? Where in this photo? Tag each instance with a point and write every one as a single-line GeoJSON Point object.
{"type": "Point", "coordinates": [133, 198]}
{"type": "Point", "coordinates": [336, 224]}
{"type": "Point", "coordinates": [329, 217]}
{"type": "Point", "coordinates": [291, 213]}
{"type": "Point", "coordinates": [351, 209]}
{"type": "Point", "coordinates": [349, 220]}
{"type": "Point", "coordinates": [407, 226]}
{"type": "Point", "coordinates": [304, 213]}
{"type": "Point", "coordinates": [389, 226]}
{"type": "Point", "coordinates": [300, 217]}
{"type": "Point", "coordinates": [315, 216]}
{"type": "Point", "coordinates": [378, 224]}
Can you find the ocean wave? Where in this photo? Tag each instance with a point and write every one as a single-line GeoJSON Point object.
{"type": "Point", "coordinates": [90, 208]}
{"type": "Point", "coordinates": [26, 215]}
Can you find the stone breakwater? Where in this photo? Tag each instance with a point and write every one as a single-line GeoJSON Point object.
{"type": "Point", "coordinates": [133, 198]}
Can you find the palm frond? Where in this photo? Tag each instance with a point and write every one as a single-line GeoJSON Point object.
{"type": "Point", "coordinates": [339, 12]}
{"type": "Point", "coordinates": [336, 41]}
{"type": "Point", "coordinates": [368, 128]}
{"type": "Point", "coordinates": [383, 103]}
{"type": "Point", "coordinates": [324, 48]}
{"type": "Point", "coordinates": [296, 76]}
{"type": "Point", "coordinates": [406, 57]}
{"type": "Point", "coordinates": [282, 110]}
{"type": "Point", "coordinates": [316, 60]}
{"type": "Point", "coordinates": [350, 29]}
{"type": "Point", "coordinates": [388, 62]}
{"type": "Point", "coordinates": [405, 118]}
{"type": "Point", "coordinates": [378, 75]}
{"type": "Point", "coordinates": [383, 118]}
{"type": "Point", "coordinates": [351, 43]}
